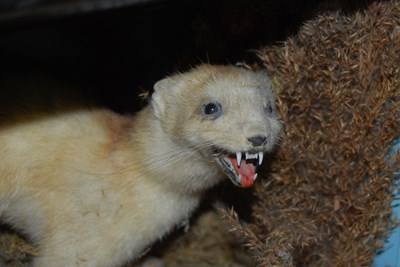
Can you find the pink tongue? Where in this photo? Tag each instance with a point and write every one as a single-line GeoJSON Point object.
{"type": "Point", "coordinates": [246, 170]}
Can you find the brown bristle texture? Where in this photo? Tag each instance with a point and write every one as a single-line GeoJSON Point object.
{"type": "Point", "coordinates": [327, 200]}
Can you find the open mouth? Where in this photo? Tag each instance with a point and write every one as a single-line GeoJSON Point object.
{"type": "Point", "coordinates": [241, 167]}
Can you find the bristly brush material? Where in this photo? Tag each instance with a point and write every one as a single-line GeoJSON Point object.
{"type": "Point", "coordinates": [328, 200]}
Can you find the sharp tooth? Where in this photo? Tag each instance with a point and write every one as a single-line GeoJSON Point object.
{"type": "Point", "coordinates": [255, 176]}
{"type": "Point", "coordinates": [247, 155]}
{"type": "Point", "coordinates": [238, 158]}
{"type": "Point", "coordinates": [260, 157]}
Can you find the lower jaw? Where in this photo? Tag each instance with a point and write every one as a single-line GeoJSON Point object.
{"type": "Point", "coordinates": [236, 179]}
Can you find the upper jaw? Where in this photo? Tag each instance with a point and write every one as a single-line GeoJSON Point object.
{"type": "Point", "coordinates": [240, 167]}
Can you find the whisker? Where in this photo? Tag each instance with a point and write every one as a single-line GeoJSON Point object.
{"type": "Point", "coordinates": [164, 159]}
{"type": "Point", "coordinates": [157, 161]}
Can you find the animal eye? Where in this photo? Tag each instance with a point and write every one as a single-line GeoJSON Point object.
{"type": "Point", "coordinates": [213, 109]}
{"type": "Point", "coordinates": [269, 109]}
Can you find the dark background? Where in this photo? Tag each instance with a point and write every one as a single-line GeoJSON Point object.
{"type": "Point", "coordinates": [111, 53]}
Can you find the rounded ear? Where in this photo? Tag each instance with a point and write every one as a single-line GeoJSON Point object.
{"type": "Point", "coordinates": [160, 95]}
{"type": "Point", "coordinates": [157, 104]}
{"type": "Point", "coordinates": [168, 83]}
{"type": "Point", "coordinates": [168, 89]}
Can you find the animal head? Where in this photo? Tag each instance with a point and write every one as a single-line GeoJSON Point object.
{"type": "Point", "coordinates": [226, 113]}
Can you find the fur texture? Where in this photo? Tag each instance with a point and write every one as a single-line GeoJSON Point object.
{"type": "Point", "coordinates": [94, 188]}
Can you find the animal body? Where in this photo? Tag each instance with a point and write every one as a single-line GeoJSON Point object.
{"type": "Point", "coordinates": [94, 188]}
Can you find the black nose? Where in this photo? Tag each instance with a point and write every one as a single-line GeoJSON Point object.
{"type": "Point", "coordinates": [257, 140]}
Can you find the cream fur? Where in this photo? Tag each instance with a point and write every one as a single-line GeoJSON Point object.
{"type": "Point", "coordinates": [93, 188]}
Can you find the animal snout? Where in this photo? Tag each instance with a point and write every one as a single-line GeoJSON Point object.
{"type": "Point", "coordinates": [257, 140]}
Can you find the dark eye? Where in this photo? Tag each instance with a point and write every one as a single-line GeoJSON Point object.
{"type": "Point", "coordinates": [212, 109]}
{"type": "Point", "coordinates": [269, 109]}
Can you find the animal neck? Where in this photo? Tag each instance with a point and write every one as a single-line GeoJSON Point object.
{"type": "Point", "coordinates": [169, 162]}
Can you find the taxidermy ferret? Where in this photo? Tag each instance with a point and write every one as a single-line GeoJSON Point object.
{"type": "Point", "coordinates": [96, 188]}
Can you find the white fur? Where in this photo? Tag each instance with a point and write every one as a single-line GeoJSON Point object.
{"type": "Point", "coordinates": [93, 188]}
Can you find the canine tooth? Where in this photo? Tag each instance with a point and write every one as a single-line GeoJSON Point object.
{"type": "Point", "coordinates": [238, 158]}
{"type": "Point", "coordinates": [260, 157]}
{"type": "Point", "coordinates": [255, 176]}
